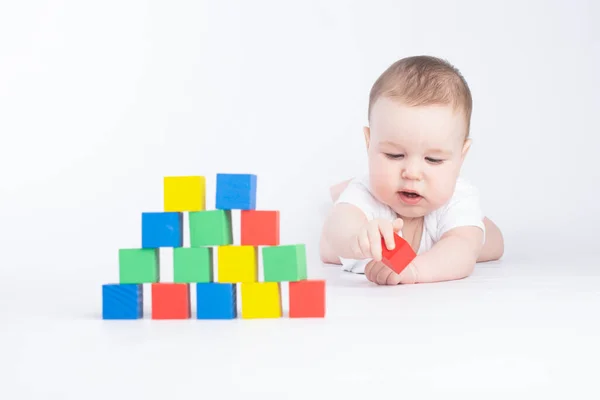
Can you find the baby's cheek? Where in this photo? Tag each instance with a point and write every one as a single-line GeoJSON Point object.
{"type": "Point", "coordinates": [384, 178]}
{"type": "Point", "coordinates": [444, 192]}
{"type": "Point", "coordinates": [382, 184]}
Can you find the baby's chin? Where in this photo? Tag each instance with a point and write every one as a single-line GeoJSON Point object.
{"type": "Point", "coordinates": [422, 208]}
{"type": "Point", "coordinates": [410, 212]}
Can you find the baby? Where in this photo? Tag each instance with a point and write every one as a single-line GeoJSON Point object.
{"type": "Point", "coordinates": [417, 140]}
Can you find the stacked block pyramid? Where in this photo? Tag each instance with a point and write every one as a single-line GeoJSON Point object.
{"type": "Point", "coordinates": [236, 264]}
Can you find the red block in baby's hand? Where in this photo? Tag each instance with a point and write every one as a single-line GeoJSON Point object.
{"type": "Point", "coordinates": [400, 257]}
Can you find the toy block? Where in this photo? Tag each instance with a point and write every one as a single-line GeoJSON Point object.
{"type": "Point", "coordinates": [237, 264]}
{"type": "Point", "coordinates": [307, 299]}
{"type": "Point", "coordinates": [210, 228]}
{"type": "Point", "coordinates": [261, 300]}
{"type": "Point", "coordinates": [184, 193]}
{"type": "Point", "coordinates": [284, 263]}
{"type": "Point", "coordinates": [236, 192]}
{"type": "Point", "coordinates": [162, 229]}
{"type": "Point", "coordinates": [398, 258]}
{"type": "Point", "coordinates": [139, 266]}
{"type": "Point", "coordinates": [260, 228]}
{"type": "Point", "coordinates": [216, 300]}
{"type": "Point", "coordinates": [192, 264]}
{"type": "Point", "coordinates": [122, 301]}
{"type": "Point", "coordinates": [171, 301]}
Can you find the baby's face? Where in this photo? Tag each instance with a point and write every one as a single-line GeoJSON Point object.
{"type": "Point", "coordinates": [418, 149]}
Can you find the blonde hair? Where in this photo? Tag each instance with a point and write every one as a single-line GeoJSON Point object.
{"type": "Point", "coordinates": [424, 80]}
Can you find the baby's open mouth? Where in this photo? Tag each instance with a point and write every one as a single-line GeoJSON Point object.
{"type": "Point", "coordinates": [410, 198]}
{"type": "Point", "coordinates": [410, 195]}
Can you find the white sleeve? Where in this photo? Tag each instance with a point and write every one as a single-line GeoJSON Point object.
{"type": "Point", "coordinates": [463, 209]}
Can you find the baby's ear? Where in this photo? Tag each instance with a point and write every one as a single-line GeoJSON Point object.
{"type": "Point", "coordinates": [466, 147]}
{"type": "Point", "coordinates": [367, 132]}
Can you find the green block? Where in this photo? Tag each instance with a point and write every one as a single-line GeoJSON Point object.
{"type": "Point", "coordinates": [210, 228]}
{"type": "Point", "coordinates": [139, 266]}
{"type": "Point", "coordinates": [192, 264]}
{"type": "Point", "coordinates": [286, 263]}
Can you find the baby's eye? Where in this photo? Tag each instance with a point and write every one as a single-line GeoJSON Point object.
{"type": "Point", "coordinates": [394, 156]}
{"type": "Point", "coordinates": [434, 160]}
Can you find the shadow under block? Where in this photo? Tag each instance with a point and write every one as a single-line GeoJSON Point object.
{"type": "Point", "coordinates": [122, 301]}
{"type": "Point", "coordinates": [162, 229]}
{"type": "Point", "coordinates": [236, 192]}
{"type": "Point", "coordinates": [259, 227]}
{"type": "Point", "coordinates": [171, 301]}
{"type": "Point", "coordinates": [237, 264]}
{"type": "Point", "coordinates": [192, 264]}
{"type": "Point", "coordinates": [210, 228]}
{"type": "Point", "coordinates": [398, 258]}
{"type": "Point", "coordinates": [184, 193]}
{"type": "Point", "coordinates": [307, 299]}
{"type": "Point", "coordinates": [261, 300]}
{"type": "Point", "coordinates": [284, 263]}
{"type": "Point", "coordinates": [216, 300]}
{"type": "Point", "coordinates": [139, 266]}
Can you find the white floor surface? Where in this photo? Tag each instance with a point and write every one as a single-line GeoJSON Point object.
{"type": "Point", "coordinates": [519, 328]}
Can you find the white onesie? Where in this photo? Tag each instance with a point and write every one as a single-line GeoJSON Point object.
{"type": "Point", "coordinates": [463, 209]}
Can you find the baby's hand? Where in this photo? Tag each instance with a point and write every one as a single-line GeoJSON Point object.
{"type": "Point", "coordinates": [381, 274]}
{"type": "Point", "coordinates": [368, 239]}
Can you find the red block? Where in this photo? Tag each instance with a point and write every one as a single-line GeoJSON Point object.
{"type": "Point", "coordinates": [400, 257]}
{"type": "Point", "coordinates": [307, 299]}
{"type": "Point", "coordinates": [171, 301]}
{"type": "Point", "coordinates": [260, 228]}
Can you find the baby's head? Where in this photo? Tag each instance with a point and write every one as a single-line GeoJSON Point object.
{"type": "Point", "coordinates": [418, 134]}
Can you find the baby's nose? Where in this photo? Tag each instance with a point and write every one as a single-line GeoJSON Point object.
{"type": "Point", "coordinates": [411, 173]}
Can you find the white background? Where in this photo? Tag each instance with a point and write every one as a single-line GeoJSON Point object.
{"type": "Point", "coordinates": [100, 100]}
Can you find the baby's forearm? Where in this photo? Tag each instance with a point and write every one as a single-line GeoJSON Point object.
{"type": "Point", "coordinates": [452, 258]}
{"type": "Point", "coordinates": [340, 229]}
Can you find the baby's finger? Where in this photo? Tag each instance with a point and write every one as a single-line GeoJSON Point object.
{"type": "Point", "coordinates": [375, 242]}
{"type": "Point", "coordinates": [377, 268]}
{"type": "Point", "coordinates": [387, 231]}
{"type": "Point", "coordinates": [383, 274]}
{"type": "Point", "coordinates": [371, 271]}
{"type": "Point", "coordinates": [398, 224]}
{"type": "Point", "coordinates": [393, 279]}
{"type": "Point", "coordinates": [368, 271]}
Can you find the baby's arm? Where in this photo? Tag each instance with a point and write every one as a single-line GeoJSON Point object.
{"type": "Point", "coordinates": [357, 223]}
{"type": "Point", "coordinates": [455, 254]}
{"type": "Point", "coordinates": [493, 248]}
{"type": "Point", "coordinates": [340, 228]}
{"type": "Point", "coordinates": [452, 257]}
{"type": "Point", "coordinates": [342, 225]}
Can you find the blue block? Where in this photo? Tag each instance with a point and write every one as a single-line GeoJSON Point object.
{"type": "Point", "coordinates": [236, 192]}
{"type": "Point", "coordinates": [162, 229]}
{"type": "Point", "coordinates": [122, 301]}
{"type": "Point", "coordinates": [216, 300]}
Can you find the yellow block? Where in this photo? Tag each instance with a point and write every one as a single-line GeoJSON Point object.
{"type": "Point", "coordinates": [184, 193]}
{"type": "Point", "coordinates": [261, 300]}
{"type": "Point", "coordinates": [237, 264]}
